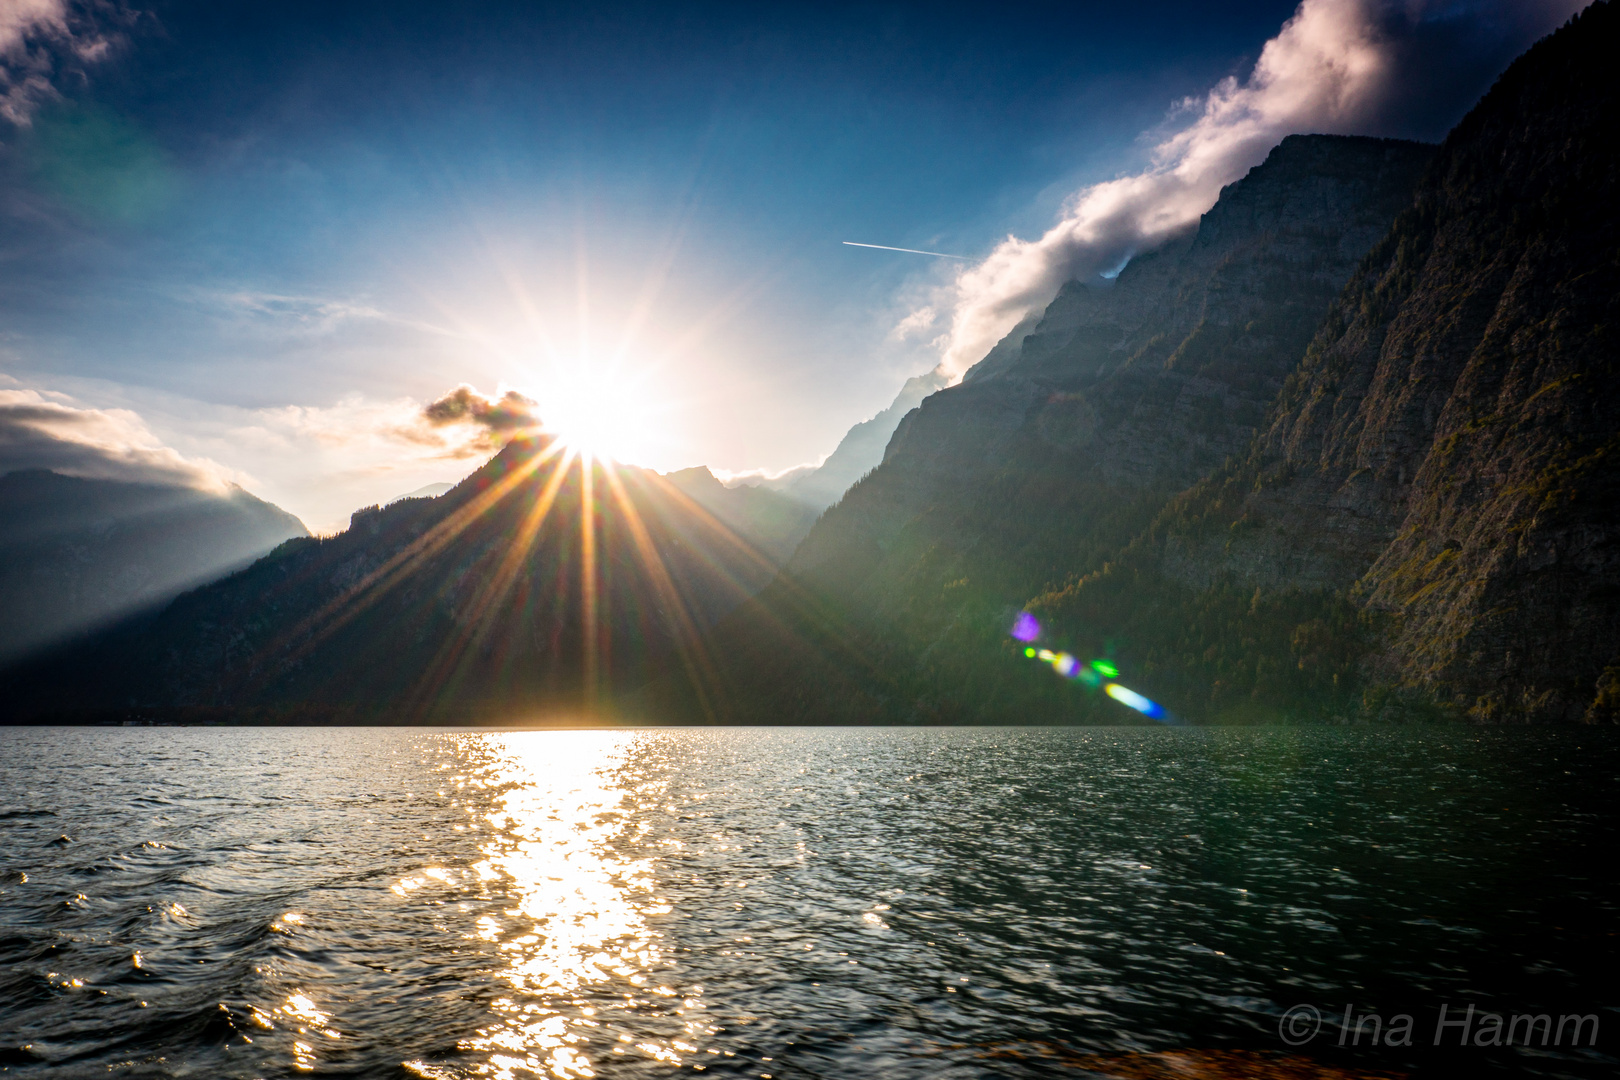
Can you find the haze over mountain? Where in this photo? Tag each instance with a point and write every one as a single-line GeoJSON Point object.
{"type": "Point", "coordinates": [98, 519]}
{"type": "Point", "coordinates": [78, 553]}
{"type": "Point", "coordinates": [861, 450]}
{"type": "Point", "coordinates": [770, 520]}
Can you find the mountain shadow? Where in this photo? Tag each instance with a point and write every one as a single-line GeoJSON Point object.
{"type": "Point", "coordinates": [76, 554]}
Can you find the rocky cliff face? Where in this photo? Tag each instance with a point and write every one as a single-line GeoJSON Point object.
{"type": "Point", "coordinates": [1447, 448]}
{"type": "Point", "coordinates": [77, 553]}
{"type": "Point", "coordinates": [1152, 381]}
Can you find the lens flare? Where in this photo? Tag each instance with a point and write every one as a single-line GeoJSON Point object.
{"type": "Point", "coordinates": [1091, 675]}
{"type": "Point", "coordinates": [1134, 700]}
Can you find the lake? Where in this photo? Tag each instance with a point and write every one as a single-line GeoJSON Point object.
{"type": "Point", "coordinates": [791, 903]}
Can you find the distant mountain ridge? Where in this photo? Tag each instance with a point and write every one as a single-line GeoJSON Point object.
{"type": "Point", "coordinates": [77, 553]}
{"type": "Point", "coordinates": [471, 604]}
{"type": "Point", "coordinates": [772, 520]}
{"type": "Point", "coordinates": [861, 449]}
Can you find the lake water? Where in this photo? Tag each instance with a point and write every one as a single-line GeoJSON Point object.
{"type": "Point", "coordinates": [794, 903]}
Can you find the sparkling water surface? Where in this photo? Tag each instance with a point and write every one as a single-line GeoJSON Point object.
{"type": "Point", "coordinates": [791, 903]}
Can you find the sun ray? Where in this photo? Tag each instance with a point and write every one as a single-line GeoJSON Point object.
{"type": "Point", "coordinates": [487, 601]}
{"type": "Point", "coordinates": [339, 611]}
{"type": "Point", "coordinates": [702, 515]}
{"type": "Point", "coordinates": [688, 642]}
{"type": "Point", "coordinates": [796, 598]}
{"type": "Point", "coordinates": [661, 265]}
{"type": "Point", "coordinates": [587, 577]}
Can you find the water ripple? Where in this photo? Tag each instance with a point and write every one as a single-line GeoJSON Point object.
{"type": "Point", "coordinates": [790, 903]}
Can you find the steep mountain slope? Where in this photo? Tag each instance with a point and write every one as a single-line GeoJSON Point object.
{"type": "Point", "coordinates": [1061, 448]}
{"type": "Point", "coordinates": [1404, 509]}
{"type": "Point", "coordinates": [1150, 383]}
{"type": "Point", "coordinates": [502, 595]}
{"type": "Point", "coordinates": [77, 553]}
{"type": "Point", "coordinates": [1447, 452]}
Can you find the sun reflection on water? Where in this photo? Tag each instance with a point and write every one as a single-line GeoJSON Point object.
{"type": "Point", "coordinates": [573, 937]}
{"type": "Point", "coordinates": [308, 1021]}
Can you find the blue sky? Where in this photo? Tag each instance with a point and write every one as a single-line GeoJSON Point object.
{"type": "Point", "coordinates": [266, 229]}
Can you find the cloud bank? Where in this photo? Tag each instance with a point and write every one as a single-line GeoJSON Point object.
{"type": "Point", "coordinates": [37, 432]}
{"type": "Point", "coordinates": [41, 40]}
{"type": "Point", "coordinates": [1335, 67]}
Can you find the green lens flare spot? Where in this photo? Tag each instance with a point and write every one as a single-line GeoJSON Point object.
{"type": "Point", "coordinates": [1103, 667]}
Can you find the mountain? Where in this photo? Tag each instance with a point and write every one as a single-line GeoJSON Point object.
{"type": "Point", "coordinates": [1445, 455]}
{"type": "Point", "coordinates": [77, 553]}
{"type": "Point", "coordinates": [1149, 383]}
{"type": "Point", "coordinates": [426, 491]}
{"type": "Point", "coordinates": [772, 521]}
{"type": "Point", "coordinates": [1343, 451]}
{"type": "Point", "coordinates": [861, 449]}
{"type": "Point", "coordinates": [500, 596]}
{"type": "Point", "coordinates": [1094, 416]}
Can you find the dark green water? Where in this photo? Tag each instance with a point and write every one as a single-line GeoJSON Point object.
{"type": "Point", "coordinates": [799, 903]}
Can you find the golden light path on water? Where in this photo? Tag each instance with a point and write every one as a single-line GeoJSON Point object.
{"type": "Point", "coordinates": [575, 941]}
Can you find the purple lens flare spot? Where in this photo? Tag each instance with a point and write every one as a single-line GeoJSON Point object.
{"type": "Point", "coordinates": [1025, 628]}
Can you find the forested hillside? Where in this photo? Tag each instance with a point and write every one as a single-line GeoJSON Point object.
{"type": "Point", "coordinates": [536, 582]}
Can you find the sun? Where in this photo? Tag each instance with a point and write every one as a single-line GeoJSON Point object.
{"type": "Point", "coordinates": [602, 413]}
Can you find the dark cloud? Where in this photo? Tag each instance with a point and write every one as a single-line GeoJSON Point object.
{"type": "Point", "coordinates": [511, 412]}
{"type": "Point", "coordinates": [1445, 56]}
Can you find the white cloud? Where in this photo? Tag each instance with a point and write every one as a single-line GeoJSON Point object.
{"type": "Point", "coordinates": [46, 431]}
{"type": "Point", "coordinates": [306, 314]}
{"type": "Point", "coordinates": [916, 324]}
{"type": "Point", "coordinates": [1326, 70]}
{"type": "Point", "coordinates": [23, 19]}
{"type": "Point", "coordinates": [39, 40]}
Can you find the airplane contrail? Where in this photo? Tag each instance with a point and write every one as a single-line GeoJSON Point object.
{"type": "Point", "coordinates": [909, 251]}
